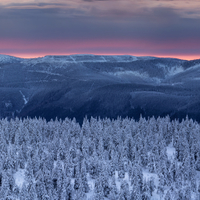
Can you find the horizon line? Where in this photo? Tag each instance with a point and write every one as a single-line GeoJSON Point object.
{"type": "Point", "coordinates": [32, 56]}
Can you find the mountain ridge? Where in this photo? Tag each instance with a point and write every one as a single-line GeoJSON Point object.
{"type": "Point", "coordinates": [97, 55]}
{"type": "Point", "coordinates": [93, 85]}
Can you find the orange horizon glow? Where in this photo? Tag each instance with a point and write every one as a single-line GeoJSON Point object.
{"type": "Point", "coordinates": [182, 57]}
{"type": "Point", "coordinates": [35, 49]}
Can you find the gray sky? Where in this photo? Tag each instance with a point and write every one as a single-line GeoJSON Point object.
{"type": "Point", "coordinates": [32, 28]}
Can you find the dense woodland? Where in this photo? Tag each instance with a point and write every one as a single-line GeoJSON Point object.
{"type": "Point", "coordinates": [102, 159]}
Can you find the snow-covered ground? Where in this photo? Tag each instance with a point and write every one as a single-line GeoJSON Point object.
{"type": "Point", "coordinates": [19, 178]}
{"type": "Point", "coordinates": [130, 73]}
{"type": "Point", "coordinates": [171, 151]}
{"type": "Point", "coordinates": [8, 59]}
{"type": "Point", "coordinates": [24, 98]}
{"type": "Point", "coordinates": [171, 71]}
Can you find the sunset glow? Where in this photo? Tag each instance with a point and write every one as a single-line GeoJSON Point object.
{"type": "Point", "coordinates": [145, 28]}
{"type": "Point", "coordinates": [27, 56]}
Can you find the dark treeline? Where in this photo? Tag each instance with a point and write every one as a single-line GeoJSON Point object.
{"type": "Point", "coordinates": [102, 159]}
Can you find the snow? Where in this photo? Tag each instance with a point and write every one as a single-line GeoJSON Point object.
{"type": "Point", "coordinates": [171, 152]}
{"type": "Point", "coordinates": [152, 93]}
{"type": "Point", "coordinates": [19, 175]}
{"type": "Point", "coordinates": [177, 83]}
{"type": "Point", "coordinates": [19, 178]}
{"type": "Point", "coordinates": [45, 72]}
{"type": "Point", "coordinates": [147, 175]}
{"type": "Point", "coordinates": [193, 67]}
{"type": "Point", "coordinates": [175, 70]}
{"type": "Point", "coordinates": [129, 73]}
{"type": "Point", "coordinates": [72, 58]}
{"type": "Point", "coordinates": [127, 179]}
{"type": "Point", "coordinates": [102, 58]}
{"type": "Point", "coordinates": [156, 80]}
{"type": "Point", "coordinates": [171, 71]}
{"type": "Point", "coordinates": [91, 183]}
{"type": "Point", "coordinates": [7, 59]}
{"type": "Point", "coordinates": [8, 104]}
{"type": "Point", "coordinates": [117, 181]}
{"type": "Point", "coordinates": [125, 58]}
{"type": "Point", "coordinates": [155, 196]}
{"type": "Point", "coordinates": [24, 98]}
{"type": "Point", "coordinates": [78, 58]}
{"type": "Point", "coordinates": [146, 57]}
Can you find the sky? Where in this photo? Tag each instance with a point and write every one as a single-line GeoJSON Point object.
{"type": "Point", "coordinates": [33, 28]}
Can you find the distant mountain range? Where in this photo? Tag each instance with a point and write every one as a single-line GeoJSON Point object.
{"type": "Point", "coordinates": [105, 86]}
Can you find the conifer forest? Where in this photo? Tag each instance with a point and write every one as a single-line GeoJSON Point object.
{"type": "Point", "coordinates": [102, 159]}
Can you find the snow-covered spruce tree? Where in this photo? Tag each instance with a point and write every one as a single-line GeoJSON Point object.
{"type": "Point", "coordinates": [84, 179]}
{"type": "Point", "coordinates": [98, 190]}
{"type": "Point", "coordinates": [151, 163]}
{"type": "Point", "coordinates": [146, 193]}
{"type": "Point", "coordinates": [114, 193]}
{"type": "Point", "coordinates": [168, 196]}
{"type": "Point", "coordinates": [102, 159]}
{"type": "Point", "coordinates": [124, 191]}
{"type": "Point", "coordinates": [24, 192]}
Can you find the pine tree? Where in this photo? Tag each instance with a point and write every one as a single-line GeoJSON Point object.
{"type": "Point", "coordinates": [29, 170]}
{"type": "Point", "coordinates": [5, 188]}
{"type": "Point", "coordinates": [84, 178]}
{"type": "Point", "coordinates": [113, 194]}
{"type": "Point", "coordinates": [61, 151]}
{"type": "Point", "coordinates": [168, 195]}
{"type": "Point", "coordinates": [121, 172]}
{"type": "Point", "coordinates": [188, 192]}
{"type": "Point", "coordinates": [24, 193]}
{"type": "Point", "coordinates": [161, 184]}
{"type": "Point", "coordinates": [151, 185]}
{"type": "Point", "coordinates": [59, 175]}
{"type": "Point", "coordinates": [36, 163]}
{"type": "Point", "coordinates": [125, 190]}
{"type": "Point", "coordinates": [146, 190]}
{"type": "Point", "coordinates": [180, 194]}
{"type": "Point", "coordinates": [32, 195]}
{"type": "Point", "coordinates": [151, 163]}
{"type": "Point", "coordinates": [40, 188]}
{"type": "Point", "coordinates": [98, 187]}
{"type": "Point", "coordinates": [136, 194]}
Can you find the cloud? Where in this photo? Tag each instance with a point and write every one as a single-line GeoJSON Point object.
{"type": "Point", "coordinates": [112, 8]}
{"type": "Point", "coordinates": [95, 0]}
{"type": "Point", "coordinates": [157, 24]}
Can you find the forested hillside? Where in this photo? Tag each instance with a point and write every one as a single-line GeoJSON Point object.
{"type": "Point", "coordinates": [102, 159]}
{"type": "Point", "coordinates": [93, 86]}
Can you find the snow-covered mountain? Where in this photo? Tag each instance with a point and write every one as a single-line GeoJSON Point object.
{"type": "Point", "coordinates": [77, 58]}
{"type": "Point", "coordinates": [9, 59]}
{"type": "Point", "coordinates": [93, 85]}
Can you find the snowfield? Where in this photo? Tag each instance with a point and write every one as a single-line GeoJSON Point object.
{"type": "Point", "coordinates": [19, 177]}
{"type": "Point", "coordinates": [8, 59]}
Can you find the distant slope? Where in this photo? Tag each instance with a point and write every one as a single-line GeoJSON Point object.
{"type": "Point", "coordinates": [105, 86]}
